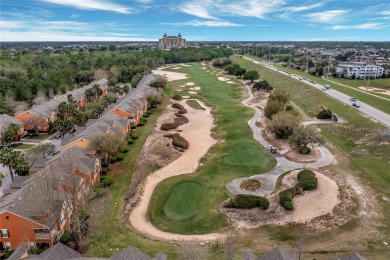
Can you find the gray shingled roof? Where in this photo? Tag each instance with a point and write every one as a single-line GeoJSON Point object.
{"type": "Point", "coordinates": [248, 256]}
{"type": "Point", "coordinates": [19, 181]}
{"type": "Point", "coordinates": [59, 252]}
{"type": "Point", "coordinates": [6, 120]}
{"type": "Point", "coordinates": [277, 254]}
{"type": "Point", "coordinates": [354, 256]}
{"type": "Point", "coordinates": [131, 253]}
{"type": "Point", "coordinates": [18, 253]}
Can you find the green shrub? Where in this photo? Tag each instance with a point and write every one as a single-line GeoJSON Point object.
{"type": "Point", "coordinates": [304, 150]}
{"type": "Point", "coordinates": [99, 192]}
{"type": "Point", "coordinates": [182, 111]}
{"type": "Point", "coordinates": [104, 171]}
{"type": "Point", "coordinates": [324, 114]}
{"type": "Point", "coordinates": [125, 149]}
{"type": "Point", "coordinates": [65, 238]}
{"type": "Point", "coordinates": [248, 202]}
{"type": "Point", "coordinates": [104, 164]}
{"type": "Point", "coordinates": [181, 120]}
{"type": "Point", "coordinates": [106, 181]}
{"type": "Point", "coordinates": [120, 157]}
{"type": "Point", "coordinates": [130, 140]}
{"type": "Point", "coordinates": [307, 180]}
{"type": "Point", "coordinates": [8, 253]}
{"type": "Point", "coordinates": [286, 198]}
{"type": "Point", "coordinates": [112, 159]}
{"type": "Point", "coordinates": [177, 97]}
{"type": "Point", "coordinates": [134, 136]}
{"type": "Point", "coordinates": [133, 127]}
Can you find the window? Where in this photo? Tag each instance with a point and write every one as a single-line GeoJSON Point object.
{"type": "Point", "coordinates": [4, 233]}
{"type": "Point", "coordinates": [7, 245]}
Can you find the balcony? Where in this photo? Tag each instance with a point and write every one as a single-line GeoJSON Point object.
{"type": "Point", "coordinates": [42, 236]}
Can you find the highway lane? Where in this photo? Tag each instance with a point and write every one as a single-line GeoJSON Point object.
{"type": "Point", "coordinates": [364, 108]}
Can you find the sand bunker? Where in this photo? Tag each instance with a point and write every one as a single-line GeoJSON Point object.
{"type": "Point", "coordinates": [376, 90]}
{"type": "Point", "coordinates": [222, 79]}
{"type": "Point", "coordinates": [176, 68]}
{"type": "Point", "coordinates": [179, 90]}
{"type": "Point", "coordinates": [169, 75]}
{"type": "Point", "coordinates": [230, 82]}
{"type": "Point", "coordinates": [314, 203]}
{"type": "Point", "coordinates": [190, 84]}
{"type": "Point", "coordinates": [185, 65]}
{"type": "Point", "coordinates": [198, 133]}
{"type": "Point", "coordinates": [185, 96]}
{"type": "Point", "coordinates": [193, 92]}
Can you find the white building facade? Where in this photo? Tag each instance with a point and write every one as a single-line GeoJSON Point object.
{"type": "Point", "coordinates": [359, 70]}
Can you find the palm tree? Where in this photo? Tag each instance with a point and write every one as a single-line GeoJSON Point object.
{"type": "Point", "coordinates": [97, 90]}
{"type": "Point", "coordinates": [11, 158]}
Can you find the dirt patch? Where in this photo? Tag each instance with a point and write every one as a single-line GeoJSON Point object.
{"type": "Point", "coordinates": [376, 90]}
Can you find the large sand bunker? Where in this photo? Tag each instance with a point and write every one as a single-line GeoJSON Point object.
{"type": "Point", "coordinates": [169, 75]}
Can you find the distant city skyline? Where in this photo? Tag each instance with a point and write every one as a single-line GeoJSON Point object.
{"type": "Point", "coordinates": [203, 20]}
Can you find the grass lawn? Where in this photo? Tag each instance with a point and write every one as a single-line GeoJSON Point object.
{"type": "Point", "coordinates": [358, 153]}
{"type": "Point", "coordinates": [376, 102]}
{"type": "Point", "coordinates": [194, 104]}
{"type": "Point", "coordinates": [183, 200]}
{"type": "Point", "coordinates": [109, 230]}
{"type": "Point", "coordinates": [383, 83]}
{"type": "Point", "coordinates": [238, 156]}
{"type": "Point", "coordinates": [23, 146]}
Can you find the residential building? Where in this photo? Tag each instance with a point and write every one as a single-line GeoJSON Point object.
{"type": "Point", "coordinates": [5, 122]}
{"type": "Point", "coordinates": [171, 42]}
{"type": "Point", "coordinates": [62, 252]}
{"type": "Point", "coordinates": [39, 117]}
{"type": "Point", "coordinates": [36, 210]}
{"type": "Point", "coordinates": [359, 70]}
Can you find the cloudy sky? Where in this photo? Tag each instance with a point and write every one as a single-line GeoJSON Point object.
{"type": "Point", "coordinates": [196, 20]}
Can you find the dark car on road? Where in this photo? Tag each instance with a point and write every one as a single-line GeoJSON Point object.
{"type": "Point", "coordinates": [355, 104]}
{"type": "Point", "coordinates": [352, 99]}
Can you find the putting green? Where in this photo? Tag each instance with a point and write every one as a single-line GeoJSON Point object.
{"type": "Point", "coordinates": [183, 201]}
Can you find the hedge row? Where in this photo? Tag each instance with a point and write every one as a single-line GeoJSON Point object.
{"type": "Point", "coordinates": [306, 181]}
{"type": "Point", "coordinates": [178, 121]}
{"type": "Point", "coordinates": [182, 110]}
{"type": "Point", "coordinates": [242, 201]}
{"type": "Point", "coordinates": [324, 114]}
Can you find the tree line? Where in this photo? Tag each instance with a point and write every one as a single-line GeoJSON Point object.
{"type": "Point", "coordinates": [25, 76]}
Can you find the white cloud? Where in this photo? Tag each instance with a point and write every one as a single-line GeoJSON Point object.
{"type": "Point", "coordinates": [208, 9]}
{"type": "Point", "coordinates": [92, 5]}
{"type": "Point", "coordinates": [145, 1]}
{"type": "Point", "coordinates": [364, 26]}
{"type": "Point", "coordinates": [327, 16]}
{"type": "Point", "coordinates": [8, 36]}
{"type": "Point", "coordinates": [10, 24]}
{"type": "Point", "coordinates": [199, 9]}
{"type": "Point", "coordinates": [252, 8]}
{"type": "Point", "coordinates": [198, 23]}
{"type": "Point", "coordinates": [385, 12]}
{"type": "Point", "coordinates": [304, 8]}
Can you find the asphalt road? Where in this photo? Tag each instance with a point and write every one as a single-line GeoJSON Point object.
{"type": "Point", "coordinates": [366, 109]}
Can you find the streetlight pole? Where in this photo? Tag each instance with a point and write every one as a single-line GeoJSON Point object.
{"type": "Point", "coordinates": [327, 75]}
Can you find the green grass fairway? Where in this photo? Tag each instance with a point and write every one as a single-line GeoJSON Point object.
{"type": "Point", "coordinates": [238, 156]}
{"type": "Point", "coordinates": [183, 201]}
{"type": "Point", "coordinates": [244, 154]}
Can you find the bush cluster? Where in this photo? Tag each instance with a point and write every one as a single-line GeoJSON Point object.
{"type": "Point", "coordinates": [134, 136]}
{"type": "Point", "coordinates": [65, 238]}
{"type": "Point", "coordinates": [112, 159]}
{"type": "Point", "coordinates": [168, 126]}
{"type": "Point", "coordinates": [120, 157]}
{"type": "Point", "coordinates": [306, 181]}
{"type": "Point", "coordinates": [124, 149]}
{"type": "Point", "coordinates": [104, 164]}
{"type": "Point", "coordinates": [99, 192]}
{"type": "Point", "coordinates": [242, 201]}
{"type": "Point", "coordinates": [178, 141]}
{"type": "Point", "coordinates": [129, 140]}
{"type": "Point", "coordinates": [324, 114]}
{"type": "Point", "coordinates": [177, 97]}
{"type": "Point", "coordinates": [104, 171]}
{"type": "Point", "coordinates": [179, 120]}
{"type": "Point", "coordinates": [106, 181]}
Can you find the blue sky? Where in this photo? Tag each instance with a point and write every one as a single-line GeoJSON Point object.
{"type": "Point", "coordinates": [196, 20]}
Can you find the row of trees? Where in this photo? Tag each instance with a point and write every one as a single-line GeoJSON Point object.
{"type": "Point", "coordinates": [235, 69]}
{"type": "Point", "coordinates": [24, 75]}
